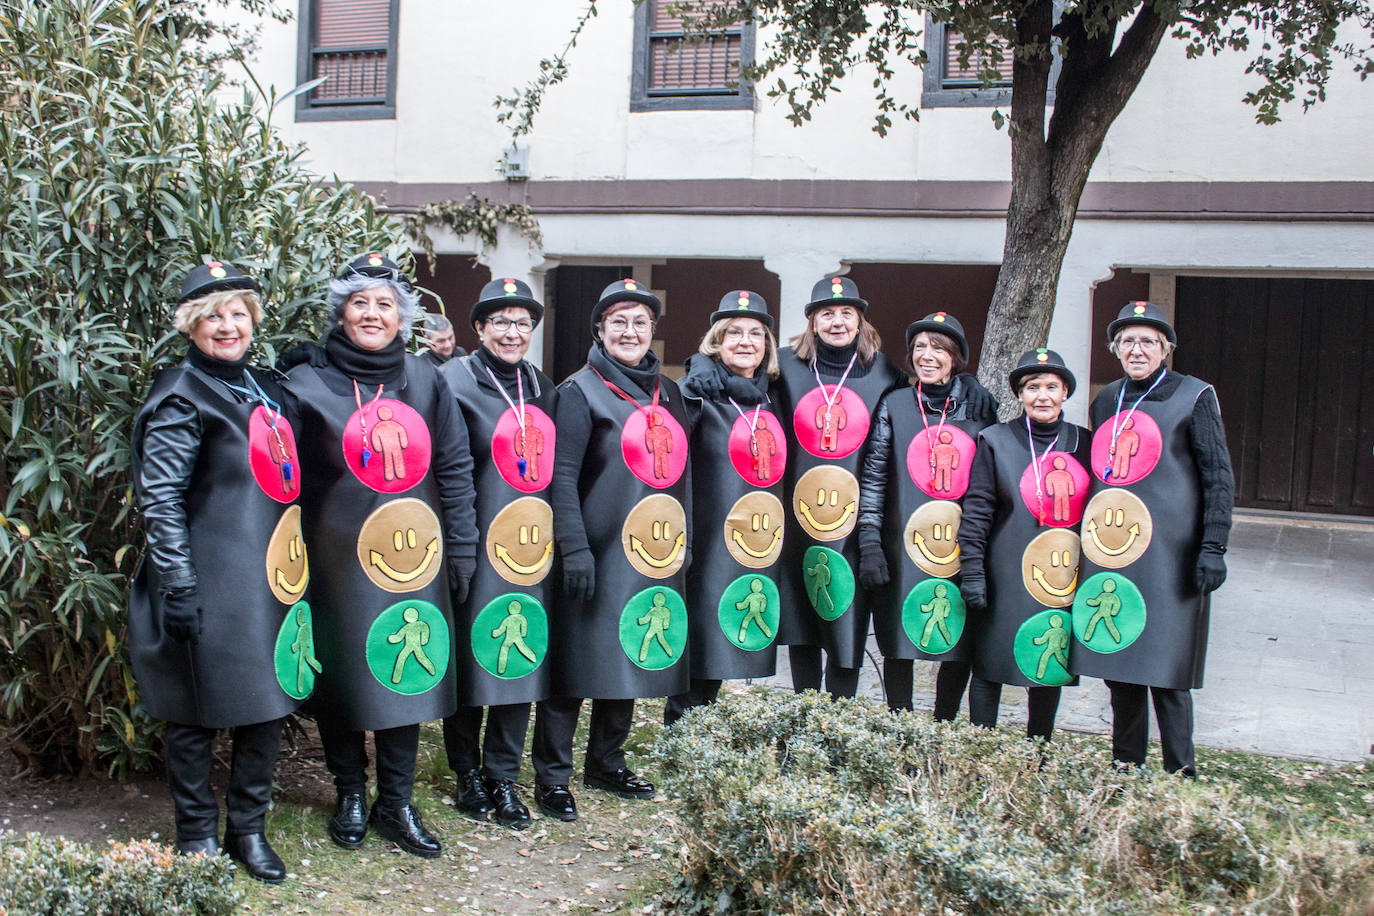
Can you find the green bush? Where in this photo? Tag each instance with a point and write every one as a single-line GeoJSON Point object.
{"type": "Point", "coordinates": [56, 877]}
{"type": "Point", "coordinates": [119, 171]}
{"type": "Point", "coordinates": [797, 804]}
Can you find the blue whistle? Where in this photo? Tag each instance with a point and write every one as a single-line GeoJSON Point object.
{"type": "Point", "coordinates": [520, 463]}
{"type": "Point", "coordinates": [287, 471]}
{"type": "Point", "coordinates": [367, 456]}
{"type": "Point", "coordinates": [1107, 472]}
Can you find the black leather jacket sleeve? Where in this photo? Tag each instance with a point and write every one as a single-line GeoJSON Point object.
{"type": "Point", "coordinates": [873, 478]}
{"type": "Point", "coordinates": [452, 465]}
{"type": "Point", "coordinates": [170, 447]}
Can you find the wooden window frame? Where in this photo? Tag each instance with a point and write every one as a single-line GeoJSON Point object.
{"type": "Point", "coordinates": [642, 99]}
{"type": "Point", "coordinates": [936, 94]}
{"type": "Point", "coordinates": [310, 109]}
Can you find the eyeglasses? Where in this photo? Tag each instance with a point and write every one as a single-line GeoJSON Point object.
{"type": "Point", "coordinates": [757, 335]}
{"type": "Point", "coordinates": [640, 326]}
{"type": "Point", "coordinates": [501, 324]}
{"type": "Point", "coordinates": [1144, 344]}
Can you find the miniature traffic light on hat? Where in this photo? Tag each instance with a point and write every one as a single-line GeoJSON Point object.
{"type": "Point", "coordinates": [941, 323]}
{"type": "Point", "coordinates": [626, 290]}
{"type": "Point", "coordinates": [835, 291]}
{"type": "Point", "coordinates": [743, 303]}
{"type": "Point", "coordinates": [213, 277]}
{"type": "Point", "coordinates": [1041, 359]}
{"type": "Point", "coordinates": [505, 292]}
{"type": "Point", "coordinates": [1146, 313]}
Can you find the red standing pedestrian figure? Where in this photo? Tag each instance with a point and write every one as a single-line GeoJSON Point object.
{"type": "Point", "coordinates": [390, 439]}
{"type": "Point", "coordinates": [830, 419]}
{"type": "Point", "coordinates": [1059, 485]}
{"type": "Point", "coordinates": [529, 444]}
{"type": "Point", "coordinates": [763, 447]}
{"type": "Point", "coordinates": [944, 459]}
{"type": "Point", "coordinates": [282, 456]}
{"type": "Point", "coordinates": [659, 443]}
{"type": "Point", "coordinates": [1124, 448]}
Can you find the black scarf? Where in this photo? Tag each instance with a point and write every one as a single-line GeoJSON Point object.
{"type": "Point", "coordinates": [1162, 391]}
{"type": "Point", "coordinates": [745, 390]}
{"type": "Point", "coordinates": [935, 395]}
{"type": "Point", "coordinates": [641, 379]}
{"type": "Point", "coordinates": [1044, 433]}
{"type": "Point", "coordinates": [371, 367]}
{"type": "Point", "coordinates": [222, 369]}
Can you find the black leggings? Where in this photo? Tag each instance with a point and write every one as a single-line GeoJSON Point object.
{"type": "Point", "coordinates": [1042, 704]}
{"type": "Point", "coordinates": [806, 672]}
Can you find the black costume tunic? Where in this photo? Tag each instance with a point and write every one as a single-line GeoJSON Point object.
{"type": "Point", "coordinates": [737, 536]}
{"type": "Point", "coordinates": [630, 640]}
{"type": "Point", "coordinates": [1031, 558]}
{"type": "Point", "coordinates": [927, 475]}
{"type": "Point", "coordinates": [1141, 537]}
{"type": "Point", "coordinates": [513, 471]}
{"type": "Point", "coordinates": [228, 532]}
{"type": "Point", "coordinates": [383, 627]}
{"type": "Point", "coordinates": [823, 603]}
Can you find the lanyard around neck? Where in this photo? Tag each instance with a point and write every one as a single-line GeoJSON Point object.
{"type": "Point", "coordinates": [653, 404]}
{"type": "Point", "coordinates": [832, 397]}
{"type": "Point", "coordinates": [362, 417]}
{"type": "Point", "coordinates": [1119, 422]}
{"type": "Point", "coordinates": [1036, 463]}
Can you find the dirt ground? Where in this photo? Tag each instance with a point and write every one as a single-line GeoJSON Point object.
{"type": "Point", "coordinates": [615, 858]}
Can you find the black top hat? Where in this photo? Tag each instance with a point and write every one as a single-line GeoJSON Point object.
{"type": "Point", "coordinates": [1146, 313]}
{"type": "Point", "coordinates": [213, 277]}
{"type": "Point", "coordinates": [377, 266]}
{"type": "Point", "coordinates": [1034, 362]}
{"type": "Point", "coordinates": [742, 303]}
{"type": "Point", "coordinates": [940, 323]}
{"type": "Point", "coordinates": [835, 291]}
{"type": "Point", "coordinates": [624, 291]}
{"type": "Point", "coordinates": [504, 293]}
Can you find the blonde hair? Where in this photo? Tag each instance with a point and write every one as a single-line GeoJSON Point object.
{"type": "Point", "coordinates": [194, 311]}
{"type": "Point", "coordinates": [710, 344]}
{"type": "Point", "coordinates": [870, 341]}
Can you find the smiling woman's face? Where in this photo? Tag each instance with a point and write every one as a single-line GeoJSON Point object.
{"type": "Point", "coordinates": [371, 317]}
{"type": "Point", "coordinates": [226, 332]}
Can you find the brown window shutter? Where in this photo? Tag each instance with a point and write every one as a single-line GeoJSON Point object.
{"type": "Point", "coordinates": [676, 67]}
{"type": "Point", "coordinates": [957, 76]}
{"type": "Point", "coordinates": [350, 48]}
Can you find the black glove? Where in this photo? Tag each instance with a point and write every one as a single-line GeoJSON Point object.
{"type": "Point", "coordinates": [302, 352]}
{"type": "Point", "coordinates": [460, 570]}
{"type": "Point", "coordinates": [181, 615]}
{"type": "Point", "coordinates": [702, 378]}
{"type": "Point", "coordinates": [579, 575]}
{"type": "Point", "coordinates": [1211, 571]}
{"type": "Point", "coordinates": [872, 566]}
{"type": "Point", "coordinates": [981, 403]}
{"type": "Point", "coordinates": [974, 587]}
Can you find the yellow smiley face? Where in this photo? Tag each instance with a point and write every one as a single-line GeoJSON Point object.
{"type": "Point", "coordinates": [931, 537]}
{"type": "Point", "coordinates": [753, 530]}
{"type": "Point", "coordinates": [654, 536]}
{"type": "Point", "coordinates": [520, 541]}
{"type": "Point", "coordinates": [1116, 528]}
{"type": "Point", "coordinates": [826, 502]}
{"type": "Point", "coordinates": [1049, 567]}
{"type": "Point", "coordinates": [400, 547]}
{"type": "Point", "coordinates": [288, 569]}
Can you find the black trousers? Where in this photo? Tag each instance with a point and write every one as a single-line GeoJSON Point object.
{"type": "Point", "coordinates": [1131, 725]}
{"type": "Point", "coordinates": [1042, 705]}
{"type": "Point", "coordinates": [499, 751]}
{"type": "Point", "coordinates": [950, 680]}
{"type": "Point", "coordinates": [555, 723]}
{"type": "Point", "coordinates": [345, 753]}
{"type": "Point", "coordinates": [703, 692]}
{"type": "Point", "coordinates": [805, 662]}
{"type": "Point", "coordinates": [189, 760]}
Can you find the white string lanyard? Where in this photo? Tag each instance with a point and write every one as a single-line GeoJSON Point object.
{"type": "Point", "coordinates": [519, 411]}
{"type": "Point", "coordinates": [1035, 464]}
{"type": "Point", "coordinates": [1119, 422]}
{"type": "Point", "coordinates": [921, 409]}
{"type": "Point", "coordinates": [273, 417]}
{"type": "Point", "coordinates": [362, 417]}
{"type": "Point", "coordinates": [753, 424]}
{"type": "Point", "coordinates": [830, 398]}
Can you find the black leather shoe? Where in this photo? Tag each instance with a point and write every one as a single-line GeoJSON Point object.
{"type": "Point", "coordinates": [622, 782]}
{"type": "Point", "coordinates": [256, 856]}
{"type": "Point", "coordinates": [473, 798]}
{"type": "Point", "coordinates": [556, 801]}
{"type": "Point", "coordinates": [509, 810]}
{"type": "Point", "coordinates": [348, 826]}
{"type": "Point", "coordinates": [403, 827]}
{"type": "Point", "coordinates": [207, 846]}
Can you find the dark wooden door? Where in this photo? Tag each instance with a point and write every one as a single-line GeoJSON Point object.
{"type": "Point", "coordinates": [575, 290]}
{"type": "Point", "coordinates": [1293, 364]}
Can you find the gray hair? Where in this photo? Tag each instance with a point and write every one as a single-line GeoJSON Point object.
{"type": "Point", "coordinates": [435, 323]}
{"type": "Point", "coordinates": [407, 300]}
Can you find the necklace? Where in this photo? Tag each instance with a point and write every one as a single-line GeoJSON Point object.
{"type": "Point", "coordinates": [519, 412]}
{"type": "Point", "coordinates": [1119, 422]}
{"type": "Point", "coordinates": [362, 417]}
{"type": "Point", "coordinates": [288, 468]}
{"type": "Point", "coordinates": [831, 398]}
{"type": "Point", "coordinates": [1039, 477]}
{"type": "Point", "coordinates": [920, 408]}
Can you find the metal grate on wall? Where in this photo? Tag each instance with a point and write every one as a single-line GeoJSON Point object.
{"type": "Point", "coordinates": [707, 66]}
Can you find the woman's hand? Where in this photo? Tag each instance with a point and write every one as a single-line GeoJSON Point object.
{"type": "Point", "coordinates": [181, 615]}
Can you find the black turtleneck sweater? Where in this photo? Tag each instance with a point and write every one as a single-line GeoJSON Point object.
{"type": "Point", "coordinates": [1206, 442]}
{"type": "Point", "coordinates": [832, 361]}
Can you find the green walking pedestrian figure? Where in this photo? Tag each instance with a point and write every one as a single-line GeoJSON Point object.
{"type": "Point", "coordinates": [819, 578]}
{"type": "Point", "coordinates": [303, 647]}
{"type": "Point", "coordinates": [1056, 643]}
{"type": "Point", "coordinates": [657, 619]}
{"type": "Point", "coordinates": [939, 609]}
{"type": "Point", "coordinates": [756, 603]}
{"type": "Point", "coordinates": [1108, 605]}
{"type": "Point", "coordinates": [513, 631]}
{"type": "Point", "coordinates": [414, 633]}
